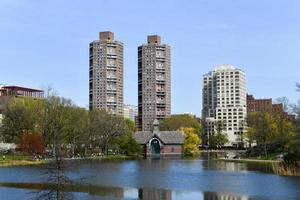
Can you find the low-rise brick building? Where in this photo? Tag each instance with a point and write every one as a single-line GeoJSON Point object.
{"type": "Point", "coordinates": [266, 106]}
{"type": "Point", "coordinates": [160, 143]}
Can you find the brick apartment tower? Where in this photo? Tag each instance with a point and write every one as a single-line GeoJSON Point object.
{"type": "Point", "coordinates": [106, 74]}
{"type": "Point", "coordinates": [154, 82]}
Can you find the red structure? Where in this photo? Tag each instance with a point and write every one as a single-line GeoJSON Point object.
{"type": "Point", "coordinates": [21, 91]}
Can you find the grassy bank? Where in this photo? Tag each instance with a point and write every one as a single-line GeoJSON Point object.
{"type": "Point", "coordinates": [18, 160]}
{"type": "Point", "coordinates": [246, 160]}
{"type": "Point", "coordinates": [112, 158]}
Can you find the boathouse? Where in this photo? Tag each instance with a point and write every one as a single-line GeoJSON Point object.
{"type": "Point", "coordinates": [160, 143]}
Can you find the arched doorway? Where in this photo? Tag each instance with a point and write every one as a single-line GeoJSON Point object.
{"type": "Point", "coordinates": [155, 147]}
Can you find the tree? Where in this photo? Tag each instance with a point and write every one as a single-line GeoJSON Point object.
{"type": "Point", "coordinates": [264, 128]}
{"type": "Point", "coordinates": [284, 127]}
{"type": "Point", "coordinates": [76, 126]}
{"type": "Point", "coordinates": [31, 143]}
{"type": "Point", "coordinates": [105, 127]}
{"type": "Point", "coordinates": [55, 123]}
{"type": "Point", "coordinates": [175, 122]}
{"type": "Point", "coordinates": [22, 115]}
{"type": "Point", "coordinates": [126, 143]}
{"type": "Point", "coordinates": [250, 136]}
{"type": "Point", "coordinates": [129, 146]}
{"type": "Point", "coordinates": [219, 139]}
{"type": "Point", "coordinates": [191, 141]}
{"type": "Point", "coordinates": [285, 102]}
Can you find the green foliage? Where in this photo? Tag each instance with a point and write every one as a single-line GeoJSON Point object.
{"type": "Point", "coordinates": [22, 115]}
{"type": "Point", "coordinates": [292, 156]}
{"type": "Point", "coordinates": [284, 127]}
{"type": "Point", "coordinates": [191, 141]}
{"type": "Point", "coordinates": [265, 129]}
{"type": "Point", "coordinates": [104, 128]}
{"type": "Point", "coordinates": [218, 140]}
{"type": "Point", "coordinates": [130, 126]}
{"type": "Point", "coordinates": [175, 122]}
{"type": "Point", "coordinates": [129, 146]}
{"type": "Point", "coordinates": [64, 125]}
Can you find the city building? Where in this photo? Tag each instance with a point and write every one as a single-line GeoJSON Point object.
{"type": "Point", "coordinates": [160, 143]}
{"type": "Point", "coordinates": [266, 106]}
{"type": "Point", "coordinates": [106, 74]}
{"type": "Point", "coordinates": [130, 112]}
{"type": "Point", "coordinates": [154, 82]}
{"type": "Point", "coordinates": [8, 92]}
{"type": "Point", "coordinates": [258, 105]}
{"type": "Point", "coordinates": [20, 92]}
{"type": "Point", "coordinates": [224, 103]}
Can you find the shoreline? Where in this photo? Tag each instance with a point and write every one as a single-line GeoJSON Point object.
{"type": "Point", "coordinates": [25, 162]}
{"type": "Point", "coordinates": [248, 160]}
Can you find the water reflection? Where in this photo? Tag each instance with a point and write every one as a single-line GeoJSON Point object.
{"type": "Point", "coordinates": [123, 193]}
{"type": "Point", "coordinates": [152, 194]}
{"type": "Point", "coordinates": [201, 179]}
{"type": "Point", "coordinates": [222, 196]}
{"type": "Point", "coordinates": [211, 164]}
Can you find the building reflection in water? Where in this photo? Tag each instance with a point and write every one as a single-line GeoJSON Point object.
{"type": "Point", "coordinates": [69, 192]}
{"type": "Point", "coordinates": [154, 194]}
{"type": "Point", "coordinates": [222, 196]}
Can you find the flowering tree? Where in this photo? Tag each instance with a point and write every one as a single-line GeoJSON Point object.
{"type": "Point", "coordinates": [31, 143]}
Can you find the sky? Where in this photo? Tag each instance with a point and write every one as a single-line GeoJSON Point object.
{"type": "Point", "coordinates": [46, 43]}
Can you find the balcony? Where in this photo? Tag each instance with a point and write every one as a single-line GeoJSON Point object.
{"type": "Point", "coordinates": [160, 90]}
{"type": "Point", "coordinates": [112, 77]}
{"type": "Point", "coordinates": [111, 88]}
{"type": "Point", "coordinates": [160, 78]}
{"type": "Point", "coordinates": [160, 113]}
{"type": "Point", "coordinates": [160, 101]}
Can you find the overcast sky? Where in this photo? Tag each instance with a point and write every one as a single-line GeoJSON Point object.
{"type": "Point", "coordinates": [45, 42]}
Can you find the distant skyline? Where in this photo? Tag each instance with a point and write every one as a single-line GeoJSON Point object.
{"type": "Point", "coordinates": [47, 43]}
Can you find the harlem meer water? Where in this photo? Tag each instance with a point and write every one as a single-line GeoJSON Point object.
{"type": "Point", "coordinates": [155, 178]}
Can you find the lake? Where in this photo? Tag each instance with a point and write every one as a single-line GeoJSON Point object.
{"type": "Point", "coordinates": [157, 178]}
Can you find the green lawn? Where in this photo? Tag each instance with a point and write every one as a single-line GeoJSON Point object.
{"type": "Point", "coordinates": [17, 159]}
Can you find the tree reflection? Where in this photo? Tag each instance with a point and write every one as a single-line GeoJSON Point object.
{"type": "Point", "coordinates": [56, 182]}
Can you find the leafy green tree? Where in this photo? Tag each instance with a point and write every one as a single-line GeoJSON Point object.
{"type": "Point", "coordinates": [55, 123]}
{"type": "Point", "coordinates": [76, 126]}
{"type": "Point", "coordinates": [191, 141]}
{"type": "Point", "coordinates": [175, 122]}
{"type": "Point", "coordinates": [105, 127]}
{"type": "Point", "coordinates": [284, 127]}
{"type": "Point", "coordinates": [22, 115]}
{"type": "Point", "coordinates": [129, 146]}
{"type": "Point", "coordinates": [264, 128]}
{"type": "Point", "coordinates": [219, 139]}
{"type": "Point", "coordinates": [250, 136]}
{"type": "Point", "coordinates": [126, 143]}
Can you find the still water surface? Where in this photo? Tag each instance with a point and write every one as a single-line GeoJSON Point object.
{"type": "Point", "coordinates": [165, 179]}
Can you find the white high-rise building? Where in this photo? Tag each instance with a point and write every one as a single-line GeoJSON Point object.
{"type": "Point", "coordinates": [224, 103]}
{"type": "Point", "coordinates": [130, 112]}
